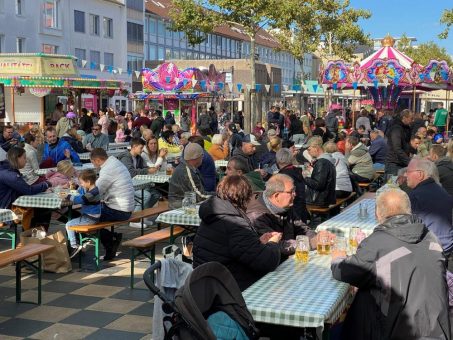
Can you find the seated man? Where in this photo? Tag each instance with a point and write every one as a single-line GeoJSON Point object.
{"type": "Point", "coordinates": [96, 139]}
{"type": "Point", "coordinates": [56, 150]}
{"type": "Point", "coordinates": [270, 211]}
{"type": "Point", "coordinates": [117, 194]}
{"type": "Point", "coordinates": [186, 177]}
{"type": "Point", "coordinates": [359, 160]}
{"type": "Point", "coordinates": [414, 144]}
{"type": "Point", "coordinates": [7, 139]}
{"type": "Point", "coordinates": [135, 164]}
{"type": "Point", "coordinates": [431, 203]}
{"type": "Point", "coordinates": [298, 211]}
{"type": "Point", "coordinates": [438, 154]}
{"type": "Point", "coordinates": [378, 150]}
{"type": "Point", "coordinates": [237, 167]}
{"type": "Point", "coordinates": [207, 167]}
{"type": "Point", "coordinates": [246, 152]}
{"type": "Point", "coordinates": [321, 183]}
{"type": "Point", "coordinates": [392, 267]}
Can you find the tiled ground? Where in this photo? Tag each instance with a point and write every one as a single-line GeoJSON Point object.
{"type": "Point", "coordinates": [82, 304]}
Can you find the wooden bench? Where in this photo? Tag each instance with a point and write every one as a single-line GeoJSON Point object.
{"type": "Point", "coordinates": [93, 231]}
{"type": "Point", "coordinates": [365, 186]}
{"type": "Point", "coordinates": [313, 209]}
{"type": "Point", "coordinates": [146, 244]}
{"type": "Point", "coordinates": [20, 255]}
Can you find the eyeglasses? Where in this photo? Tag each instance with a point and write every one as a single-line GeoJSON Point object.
{"type": "Point", "coordinates": [292, 191]}
{"type": "Point", "coordinates": [407, 171]}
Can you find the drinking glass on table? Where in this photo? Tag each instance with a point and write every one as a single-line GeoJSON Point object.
{"type": "Point", "coordinates": [353, 244]}
{"type": "Point", "coordinates": [324, 244]}
{"type": "Point", "coordinates": [340, 245]}
{"type": "Point", "coordinates": [302, 248]}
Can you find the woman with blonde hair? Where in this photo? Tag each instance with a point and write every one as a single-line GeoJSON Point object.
{"type": "Point", "coordinates": [154, 156]}
{"type": "Point", "coordinates": [63, 176]}
{"type": "Point", "coordinates": [219, 149]}
{"type": "Point", "coordinates": [268, 159]}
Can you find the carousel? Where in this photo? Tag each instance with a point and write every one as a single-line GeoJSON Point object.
{"type": "Point", "coordinates": [386, 75]}
{"type": "Point", "coordinates": [179, 91]}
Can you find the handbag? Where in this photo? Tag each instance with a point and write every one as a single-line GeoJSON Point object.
{"type": "Point", "coordinates": [55, 260]}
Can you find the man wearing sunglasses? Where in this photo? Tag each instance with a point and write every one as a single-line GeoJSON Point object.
{"type": "Point", "coordinates": [96, 139]}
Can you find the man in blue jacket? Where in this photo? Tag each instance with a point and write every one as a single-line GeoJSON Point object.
{"type": "Point", "coordinates": [56, 150]}
{"type": "Point", "coordinates": [378, 150]}
{"type": "Point", "coordinates": [431, 203]}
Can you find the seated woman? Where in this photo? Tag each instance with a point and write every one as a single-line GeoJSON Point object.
{"type": "Point", "coordinates": [13, 185]}
{"type": "Point", "coordinates": [64, 176]}
{"type": "Point", "coordinates": [343, 186]}
{"type": "Point", "coordinates": [268, 161]}
{"type": "Point", "coordinates": [153, 156]}
{"type": "Point", "coordinates": [166, 142]}
{"type": "Point", "coordinates": [74, 139]}
{"type": "Point", "coordinates": [225, 235]}
{"type": "Point", "coordinates": [219, 149]}
{"type": "Point", "coordinates": [32, 164]}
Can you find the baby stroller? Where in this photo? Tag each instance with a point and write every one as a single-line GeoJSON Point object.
{"type": "Point", "coordinates": [209, 306]}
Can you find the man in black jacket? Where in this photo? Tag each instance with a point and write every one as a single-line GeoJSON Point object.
{"type": "Point", "coordinates": [398, 138]}
{"type": "Point", "coordinates": [86, 122]}
{"type": "Point", "coordinates": [400, 273]}
{"type": "Point", "coordinates": [438, 154]}
{"type": "Point", "coordinates": [270, 211]}
{"type": "Point", "coordinates": [321, 183]}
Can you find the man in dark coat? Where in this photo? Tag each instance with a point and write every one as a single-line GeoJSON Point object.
{"type": "Point", "coordinates": [86, 122]}
{"type": "Point", "coordinates": [269, 212]}
{"type": "Point", "coordinates": [321, 183]}
{"type": "Point", "coordinates": [398, 138]}
{"type": "Point", "coordinates": [438, 154]}
{"type": "Point", "coordinates": [431, 203]}
{"type": "Point", "coordinates": [378, 149]}
{"type": "Point", "coordinates": [247, 152]}
{"type": "Point", "coordinates": [399, 271]}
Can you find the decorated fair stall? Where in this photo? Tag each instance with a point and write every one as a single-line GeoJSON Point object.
{"type": "Point", "coordinates": [29, 79]}
{"type": "Point", "coordinates": [386, 74]}
{"type": "Point", "coordinates": [177, 90]}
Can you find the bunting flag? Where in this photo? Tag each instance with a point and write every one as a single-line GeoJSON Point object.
{"type": "Point", "coordinates": [137, 74]}
{"type": "Point", "coordinates": [343, 85]}
{"type": "Point", "coordinates": [354, 85]}
{"type": "Point", "coordinates": [276, 87]}
{"type": "Point", "coordinates": [315, 88]}
{"type": "Point", "coordinates": [84, 62]}
{"type": "Point", "coordinates": [203, 84]}
{"type": "Point", "coordinates": [110, 69]}
{"type": "Point", "coordinates": [92, 65]}
{"type": "Point", "coordinates": [230, 86]}
{"type": "Point", "coordinates": [376, 83]}
{"type": "Point", "coordinates": [296, 87]}
{"type": "Point", "coordinates": [334, 86]}
{"type": "Point", "coordinates": [120, 70]}
{"type": "Point", "coordinates": [396, 80]}
{"type": "Point", "coordinates": [220, 86]}
{"type": "Point", "coordinates": [249, 87]}
{"type": "Point", "coordinates": [101, 66]}
{"type": "Point", "coordinates": [268, 87]}
{"type": "Point", "coordinates": [194, 82]}
{"type": "Point", "coordinates": [185, 81]}
{"type": "Point", "coordinates": [239, 86]}
{"type": "Point", "coordinates": [258, 87]}
{"type": "Point", "coordinates": [325, 87]}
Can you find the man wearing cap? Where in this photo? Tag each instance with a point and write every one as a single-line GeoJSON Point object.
{"type": "Point", "coordinates": [65, 123]}
{"type": "Point", "coordinates": [321, 183]}
{"type": "Point", "coordinates": [247, 152]}
{"type": "Point", "coordinates": [186, 177]}
{"type": "Point", "coordinates": [96, 139]}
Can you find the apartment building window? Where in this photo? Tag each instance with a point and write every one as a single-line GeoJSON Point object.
{"type": "Point", "coordinates": [2, 43]}
{"type": "Point", "coordinates": [160, 28]}
{"type": "Point", "coordinates": [135, 4]}
{"type": "Point", "coordinates": [152, 52]}
{"type": "Point", "coordinates": [152, 29]}
{"type": "Point", "coordinates": [49, 49]}
{"type": "Point", "coordinates": [108, 59]}
{"type": "Point", "coordinates": [168, 32]}
{"type": "Point", "coordinates": [20, 7]}
{"type": "Point", "coordinates": [51, 13]}
{"type": "Point", "coordinates": [20, 45]}
{"type": "Point", "coordinates": [108, 27]}
{"type": "Point", "coordinates": [167, 53]}
{"type": "Point", "coordinates": [94, 24]}
{"type": "Point", "coordinates": [80, 54]}
{"type": "Point", "coordinates": [160, 53]}
{"type": "Point", "coordinates": [134, 32]}
{"type": "Point", "coordinates": [79, 21]}
{"type": "Point", "coordinates": [95, 57]}
{"type": "Point", "coordinates": [134, 63]}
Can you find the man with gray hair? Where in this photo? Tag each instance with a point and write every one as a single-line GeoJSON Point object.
{"type": "Point", "coordinates": [431, 202]}
{"type": "Point", "coordinates": [237, 167]}
{"type": "Point", "coordinates": [270, 211]}
{"type": "Point", "coordinates": [284, 159]}
{"type": "Point", "coordinates": [399, 271]}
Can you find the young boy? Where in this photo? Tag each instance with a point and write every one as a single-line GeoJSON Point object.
{"type": "Point", "coordinates": [90, 200]}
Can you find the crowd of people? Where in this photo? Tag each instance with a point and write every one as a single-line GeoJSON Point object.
{"type": "Point", "coordinates": [253, 210]}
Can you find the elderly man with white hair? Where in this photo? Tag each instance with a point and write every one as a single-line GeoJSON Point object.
{"type": "Point", "coordinates": [399, 271]}
{"type": "Point", "coordinates": [431, 202]}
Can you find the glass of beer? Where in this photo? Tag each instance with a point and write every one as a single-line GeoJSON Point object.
{"type": "Point", "coordinates": [353, 232]}
{"type": "Point", "coordinates": [340, 245]}
{"type": "Point", "coordinates": [169, 169]}
{"type": "Point", "coordinates": [302, 248]}
{"type": "Point", "coordinates": [323, 246]}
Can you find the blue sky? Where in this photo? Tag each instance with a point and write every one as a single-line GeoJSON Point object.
{"type": "Point", "coordinates": [416, 18]}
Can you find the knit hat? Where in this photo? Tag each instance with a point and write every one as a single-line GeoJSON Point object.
{"type": "Point", "coordinates": [192, 151]}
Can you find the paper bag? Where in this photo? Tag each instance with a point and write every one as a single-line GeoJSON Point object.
{"type": "Point", "coordinates": [55, 260]}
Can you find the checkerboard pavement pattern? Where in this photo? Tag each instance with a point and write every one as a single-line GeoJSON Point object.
{"type": "Point", "coordinates": [82, 304]}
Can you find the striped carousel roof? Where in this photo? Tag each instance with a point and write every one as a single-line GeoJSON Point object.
{"type": "Point", "coordinates": [387, 51]}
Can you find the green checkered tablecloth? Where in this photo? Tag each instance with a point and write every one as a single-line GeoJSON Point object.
{"type": "Point", "coordinates": [298, 295]}
{"type": "Point", "coordinates": [220, 163]}
{"type": "Point", "coordinates": [179, 217]}
{"type": "Point", "coordinates": [160, 177]}
{"type": "Point", "coordinates": [7, 215]}
{"type": "Point", "coordinates": [142, 183]}
{"type": "Point", "coordinates": [342, 223]}
{"type": "Point", "coordinates": [48, 200]}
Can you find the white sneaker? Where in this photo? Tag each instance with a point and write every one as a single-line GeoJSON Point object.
{"type": "Point", "coordinates": [137, 225]}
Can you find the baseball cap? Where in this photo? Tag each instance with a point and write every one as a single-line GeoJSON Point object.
{"type": "Point", "coordinates": [192, 151]}
{"type": "Point", "coordinates": [250, 139]}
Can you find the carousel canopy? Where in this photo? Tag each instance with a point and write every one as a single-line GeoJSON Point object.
{"type": "Point", "coordinates": [387, 51]}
